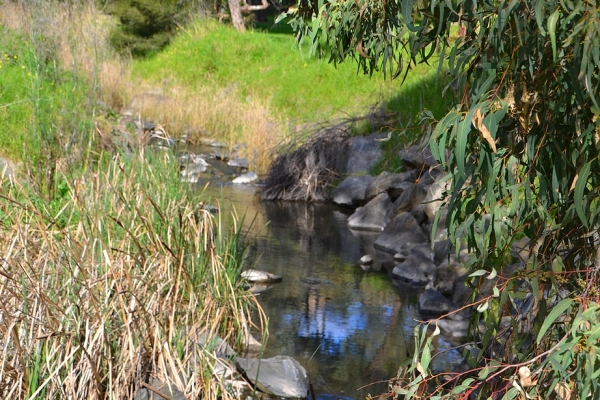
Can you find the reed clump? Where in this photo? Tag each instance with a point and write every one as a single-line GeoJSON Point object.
{"type": "Point", "coordinates": [112, 284]}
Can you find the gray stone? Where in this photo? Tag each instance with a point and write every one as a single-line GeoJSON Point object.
{"type": "Point", "coordinates": [373, 216]}
{"type": "Point", "coordinates": [238, 162]}
{"type": "Point", "coordinates": [280, 376]}
{"type": "Point", "coordinates": [418, 157]}
{"type": "Point", "coordinates": [418, 214]}
{"type": "Point", "coordinates": [166, 391]}
{"type": "Point", "coordinates": [521, 250]}
{"type": "Point", "coordinates": [433, 201]}
{"type": "Point", "coordinates": [411, 274]}
{"type": "Point", "coordinates": [222, 155]}
{"type": "Point", "coordinates": [215, 345]}
{"type": "Point", "coordinates": [412, 196]}
{"type": "Point", "coordinates": [462, 293]}
{"type": "Point", "coordinates": [366, 260]}
{"type": "Point", "coordinates": [441, 250]}
{"type": "Point", "coordinates": [255, 276]}
{"type": "Point", "coordinates": [401, 231]}
{"type": "Point", "coordinates": [246, 178]}
{"type": "Point", "coordinates": [364, 154]}
{"type": "Point", "coordinates": [193, 171]}
{"type": "Point", "coordinates": [434, 304]}
{"type": "Point", "coordinates": [455, 327]}
{"type": "Point", "coordinates": [351, 192]}
{"type": "Point", "coordinates": [444, 278]}
{"type": "Point", "coordinates": [425, 264]}
{"type": "Point", "coordinates": [391, 183]}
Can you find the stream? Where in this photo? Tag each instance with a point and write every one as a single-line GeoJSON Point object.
{"type": "Point", "coordinates": [349, 327]}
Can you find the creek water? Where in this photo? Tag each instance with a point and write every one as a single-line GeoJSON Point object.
{"type": "Point", "coordinates": [349, 327]}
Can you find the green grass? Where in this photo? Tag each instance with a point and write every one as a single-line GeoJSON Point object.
{"type": "Point", "coordinates": [39, 106]}
{"type": "Point", "coordinates": [266, 63]}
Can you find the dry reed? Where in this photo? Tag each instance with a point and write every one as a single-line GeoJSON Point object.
{"type": "Point", "coordinates": [113, 286]}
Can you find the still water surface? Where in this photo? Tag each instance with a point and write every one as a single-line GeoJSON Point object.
{"type": "Point", "coordinates": [349, 328]}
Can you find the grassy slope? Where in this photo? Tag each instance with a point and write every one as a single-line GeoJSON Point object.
{"type": "Point", "coordinates": [266, 64]}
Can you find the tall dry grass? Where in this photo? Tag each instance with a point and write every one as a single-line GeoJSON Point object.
{"type": "Point", "coordinates": [75, 36]}
{"type": "Point", "coordinates": [113, 285]}
{"type": "Point", "coordinates": [203, 113]}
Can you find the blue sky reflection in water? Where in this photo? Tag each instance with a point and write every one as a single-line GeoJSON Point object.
{"type": "Point", "coordinates": [348, 327]}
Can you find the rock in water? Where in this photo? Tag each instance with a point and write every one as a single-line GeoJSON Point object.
{"type": "Point", "coordinates": [401, 232]}
{"type": "Point", "coordinates": [246, 178]}
{"type": "Point", "coordinates": [434, 304]}
{"type": "Point", "coordinates": [351, 192]}
{"type": "Point", "coordinates": [373, 216]}
{"type": "Point", "coordinates": [280, 376]}
{"type": "Point", "coordinates": [255, 276]}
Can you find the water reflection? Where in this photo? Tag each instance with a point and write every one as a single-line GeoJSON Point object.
{"type": "Point", "coordinates": [350, 328]}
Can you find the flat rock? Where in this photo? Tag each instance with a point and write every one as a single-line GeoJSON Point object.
{"type": "Point", "coordinates": [402, 231]}
{"type": "Point", "coordinates": [433, 303]}
{"type": "Point", "coordinates": [351, 192]}
{"type": "Point", "coordinates": [255, 276]}
{"type": "Point", "coordinates": [390, 183]}
{"type": "Point", "coordinates": [280, 376]}
{"type": "Point", "coordinates": [246, 178]}
{"type": "Point", "coordinates": [372, 216]}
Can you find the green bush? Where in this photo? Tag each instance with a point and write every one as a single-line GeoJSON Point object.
{"type": "Point", "coordinates": [146, 26]}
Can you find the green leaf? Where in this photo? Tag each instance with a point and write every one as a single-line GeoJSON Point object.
{"type": "Point", "coordinates": [579, 188]}
{"type": "Point", "coordinates": [539, 15]}
{"type": "Point", "coordinates": [556, 312]}
{"type": "Point", "coordinates": [552, 20]}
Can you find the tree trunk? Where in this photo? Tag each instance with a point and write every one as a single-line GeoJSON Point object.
{"type": "Point", "coordinates": [236, 15]}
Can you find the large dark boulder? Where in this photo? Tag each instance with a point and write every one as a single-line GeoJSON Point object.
{"type": "Point", "coordinates": [407, 272]}
{"type": "Point", "coordinates": [411, 197]}
{"type": "Point", "coordinates": [432, 303]}
{"type": "Point", "coordinates": [400, 231]}
{"type": "Point", "coordinates": [351, 192]}
{"type": "Point", "coordinates": [373, 216]}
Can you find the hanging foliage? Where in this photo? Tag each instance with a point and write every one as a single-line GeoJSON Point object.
{"type": "Point", "coordinates": [524, 143]}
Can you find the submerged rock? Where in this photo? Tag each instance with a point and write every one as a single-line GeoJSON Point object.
{"type": "Point", "coordinates": [280, 376]}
